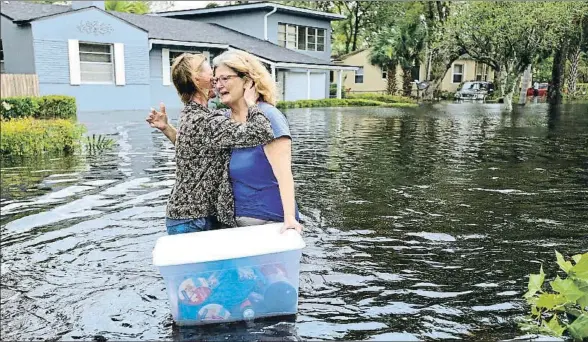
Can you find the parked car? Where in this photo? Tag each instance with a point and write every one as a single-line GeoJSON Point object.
{"type": "Point", "coordinates": [542, 91]}
{"type": "Point", "coordinates": [474, 90]}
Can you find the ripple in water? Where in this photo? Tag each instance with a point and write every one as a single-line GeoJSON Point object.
{"type": "Point", "coordinates": [420, 224]}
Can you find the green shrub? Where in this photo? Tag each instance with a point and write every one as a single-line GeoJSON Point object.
{"type": "Point", "coordinates": [339, 103]}
{"type": "Point", "coordinates": [18, 107]}
{"type": "Point", "coordinates": [381, 98]}
{"type": "Point", "coordinates": [57, 107]}
{"type": "Point", "coordinates": [44, 107]}
{"type": "Point", "coordinates": [563, 311]}
{"type": "Point", "coordinates": [29, 136]}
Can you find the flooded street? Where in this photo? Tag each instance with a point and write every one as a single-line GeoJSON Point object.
{"type": "Point", "coordinates": [420, 224]}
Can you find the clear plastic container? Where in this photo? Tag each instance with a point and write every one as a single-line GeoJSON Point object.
{"type": "Point", "coordinates": [230, 274]}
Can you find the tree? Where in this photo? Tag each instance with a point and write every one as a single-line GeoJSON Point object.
{"type": "Point", "coordinates": [441, 48]}
{"type": "Point", "coordinates": [504, 35]}
{"type": "Point", "coordinates": [567, 30]}
{"type": "Point", "coordinates": [409, 50]}
{"type": "Point", "coordinates": [383, 54]}
{"type": "Point", "coordinates": [136, 7]}
{"type": "Point", "coordinates": [211, 5]}
{"type": "Point", "coordinates": [402, 46]}
{"type": "Point", "coordinates": [578, 40]}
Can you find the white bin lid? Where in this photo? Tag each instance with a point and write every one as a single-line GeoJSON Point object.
{"type": "Point", "coordinates": [224, 244]}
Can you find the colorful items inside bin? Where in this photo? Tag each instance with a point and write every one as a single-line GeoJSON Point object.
{"type": "Point", "coordinates": [243, 293]}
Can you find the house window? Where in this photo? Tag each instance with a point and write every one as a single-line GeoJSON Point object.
{"type": "Point", "coordinates": [1, 57]}
{"type": "Point", "coordinates": [287, 36]}
{"type": "Point", "coordinates": [457, 73]}
{"type": "Point", "coordinates": [301, 37]}
{"type": "Point", "coordinates": [384, 74]}
{"type": "Point", "coordinates": [320, 40]}
{"type": "Point", "coordinates": [96, 64]}
{"type": "Point", "coordinates": [310, 39]}
{"type": "Point", "coordinates": [481, 72]}
{"type": "Point", "coordinates": [359, 75]}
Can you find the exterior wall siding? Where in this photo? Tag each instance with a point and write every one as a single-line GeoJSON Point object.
{"type": "Point", "coordinates": [17, 43]}
{"type": "Point", "coordinates": [469, 74]}
{"type": "Point", "coordinates": [252, 23]}
{"type": "Point", "coordinates": [372, 75]}
{"type": "Point", "coordinates": [50, 41]}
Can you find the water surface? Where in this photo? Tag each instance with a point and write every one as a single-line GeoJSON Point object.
{"type": "Point", "coordinates": [420, 223]}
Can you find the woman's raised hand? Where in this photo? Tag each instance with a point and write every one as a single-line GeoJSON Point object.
{"type": "Point", "coordinates": [251, 95]}
{"type": "Point", "coordinates": [158, 119]}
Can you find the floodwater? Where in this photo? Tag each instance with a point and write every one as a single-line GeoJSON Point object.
{"type": "Point", "coordinates": [421, 224]}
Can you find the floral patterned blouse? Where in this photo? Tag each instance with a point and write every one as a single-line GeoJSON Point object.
{"type": "Point", "coordinates": [203, 149]}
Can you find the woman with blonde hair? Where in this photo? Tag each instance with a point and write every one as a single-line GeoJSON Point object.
{"type": "Point", "coordinates": [202, 197]}
{"type": "Point", "coordinates": [261, 176]}
{"type": "Point", "coordinates": [263, 184]}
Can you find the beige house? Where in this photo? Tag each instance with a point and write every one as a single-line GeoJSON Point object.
{"type": "Point", "coordinates": [372, 79]}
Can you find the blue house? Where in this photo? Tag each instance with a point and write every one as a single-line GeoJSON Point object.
{"type": "Point", "coordinates": [120, 61]}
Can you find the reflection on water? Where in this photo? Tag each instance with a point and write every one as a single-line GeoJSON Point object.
{"type": "Point", "coordinates": [421, 224]}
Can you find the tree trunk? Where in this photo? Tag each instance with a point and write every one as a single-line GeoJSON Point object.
{"type": "Point", "coordinates": [431, 90]}
{"type": "Point", "coordinates": [356, 28]}
{"type": "Point", "coordinates": [507, 80]}
{"type": "Point", "coordinates": [574, 61]}
{"type": "Point", "coordinates": [348, 37]}
{"type": "Point", "coordinates": [555, 92]}
{"type": "Point", "coordinates": [441, 68]}
{"type": "Point", "coordinates": [391, 86]}
{"type": "Point", "coordinates": [407, 81]}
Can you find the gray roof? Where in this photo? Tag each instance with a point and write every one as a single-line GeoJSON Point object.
{"type": "Point", "coordinates": [177, 30]}
{"type": "Point", "coordinates": [194, 31]}
{"type": "Point", "coordinates": [26, 10]}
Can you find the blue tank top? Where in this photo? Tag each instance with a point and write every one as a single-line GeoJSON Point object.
{"type": "Point", "coordinates": [255, 187]}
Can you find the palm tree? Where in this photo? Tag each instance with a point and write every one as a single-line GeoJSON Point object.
{"type": "Point", "coordinates": [136, 7]}
{"type": "Point", "coordinates": [383, 54]}
{"type": "Point", "coordinates": [410, 46]}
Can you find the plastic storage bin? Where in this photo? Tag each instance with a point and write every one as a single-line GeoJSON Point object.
{"type": "Point", "coordinates": [230, 274]}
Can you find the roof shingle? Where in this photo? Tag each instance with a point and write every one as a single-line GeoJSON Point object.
{"type": "Point", "coordinates": [26, 10]}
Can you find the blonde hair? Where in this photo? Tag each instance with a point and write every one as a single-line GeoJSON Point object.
{"type": "Point", "coordinates": [183, 71]}
{"type": "Point", "coordinates": [248, 65]}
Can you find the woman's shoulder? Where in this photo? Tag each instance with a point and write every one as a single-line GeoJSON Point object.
{"type": "Point", "coordinates": [270, 111]}
{"type": "Point", "coordinates": [195, 107]}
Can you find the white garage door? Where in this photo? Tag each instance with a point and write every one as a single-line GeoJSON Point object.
{"type": "Point", "coordinates": [296, 86]}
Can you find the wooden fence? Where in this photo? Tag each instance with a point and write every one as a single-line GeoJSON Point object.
{"type": "Point", "coordinates": [19, 85]}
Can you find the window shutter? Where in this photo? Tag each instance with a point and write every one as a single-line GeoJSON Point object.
{"type": "Point", "coordinates": [119, 63]}
{"type": "Point", "coordinates": [74, 62]}
{"type": "Point", "coordinates": [166, 72]}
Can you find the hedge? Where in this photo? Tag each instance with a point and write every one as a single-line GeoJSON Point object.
{"type": "Point", "coordinates": [44, 107]}
{"type": "Point", "coordinates": [29, 136]}
{"type": "Point", "coordinates": [381, 98]}
{"type": "Point", "coordinates": [339, 103]}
